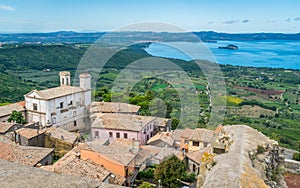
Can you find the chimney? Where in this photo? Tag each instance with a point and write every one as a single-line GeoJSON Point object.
{"type": "Point", "coordinates": [135, 146]}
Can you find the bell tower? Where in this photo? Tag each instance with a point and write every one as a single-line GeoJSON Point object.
{"type": "Point", "coordinates": [85, 84]}
{"type": "Point", "coordinates": [65, 78]}
{"type": "Point", "coordinates": [85, 81]}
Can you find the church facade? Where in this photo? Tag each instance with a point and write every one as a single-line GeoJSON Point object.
{"type": "Point", "coordinates": [64, 106]}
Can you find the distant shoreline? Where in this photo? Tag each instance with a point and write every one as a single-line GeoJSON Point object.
{"type": "Point", "coordinates": [85, 37]}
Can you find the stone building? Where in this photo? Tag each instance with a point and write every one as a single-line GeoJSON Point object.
{"type": "Point", "coordinates": [112, 126]}
{"type": "Point", "coordinates": [25, 155]}
{"type": "Point", "coordinates": [6, 127]}
{"type": "Point", "coordinates": [162, 139]}
{"type": "Point", "coordinates": [30, 137]}
{"type": "Point", "coordinates": [64, 106]}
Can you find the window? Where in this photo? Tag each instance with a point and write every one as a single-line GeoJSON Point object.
{"type": "Point", "coordinates": [71, 102]}
{"type": "Point", "coordinates": [61, 105]}
{"type": "Point", "coordinates": [194, 168]}
{"type": "Point", "coordinates": [67, 81]}
{"type": "Point", "coordinates": [75, 123]}
{"type": "Point", "coordinates": [186, 141]}
{"type": "Point", "coordinates": [125, 135]}
{"type": "Point", "coordinates": [195, 143]}
{"type": "Point", "coordinates": [110, 134]}
{"type": "Point", "coordinates": [97, 134]}
{"type": "Point", "coordinates": [34, 106]}
{"type": "Point", "coordinates": [62, 81]}
{"type": "Point", "coordinates": [117, 135]}
{"type": "Point", "coordinates": [54, 120]}
{"type": "Point", "coordinates": [205, 144]}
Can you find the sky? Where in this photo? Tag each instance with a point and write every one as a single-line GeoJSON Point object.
{"type": "Point", "coordinates": [232, 16]}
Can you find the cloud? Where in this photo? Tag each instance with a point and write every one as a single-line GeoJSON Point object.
{"type": "Point", "coordinates": [210, 23]}
{"type": "Point", "coordinates": [288, 20]}
{"type": "Point", "coordinates": [8, 8]}
{"type": "Point", "coordinates": [246, 21]}
{"type": "Point", "coordinates": [297, 19]}
{"type": "Point", "coordinates": [231, 22]}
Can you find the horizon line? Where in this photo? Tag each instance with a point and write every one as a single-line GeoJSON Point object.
{"type": "Point", "coordinates": [95, 31]}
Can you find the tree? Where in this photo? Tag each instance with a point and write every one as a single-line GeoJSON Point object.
{"type": "Point", "coordinates": [16, 117]}
{"type": "Point", "coordinates": [174, 123]}
{"type": "Point", "coordinates": [170, 171]}
{"type": "Point", "coordinates": [146, 185]}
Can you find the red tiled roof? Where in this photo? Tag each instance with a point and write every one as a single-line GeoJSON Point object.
{"type": "Point", "coordinates": [4, 126]}
{"type": "Point", "coordinates": [22, 103]}
{"type": "Point", "coordinates": [186, 133]}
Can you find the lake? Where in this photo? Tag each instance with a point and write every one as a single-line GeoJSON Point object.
{"type": "Point", "coordinates": [274, 54]}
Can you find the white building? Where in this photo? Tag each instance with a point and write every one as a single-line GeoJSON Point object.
{"type": "Point", "coordinates": [65, 106]}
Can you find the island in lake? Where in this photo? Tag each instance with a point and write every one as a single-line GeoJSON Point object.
{"type": "Point", "coordinates": [229, 47]}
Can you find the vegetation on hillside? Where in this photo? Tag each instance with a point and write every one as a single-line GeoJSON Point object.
{"type": "Point", "coordinates": [264, 98]}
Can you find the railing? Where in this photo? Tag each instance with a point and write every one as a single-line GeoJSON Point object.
{"type": "Point", "coordinates": [131, 178]}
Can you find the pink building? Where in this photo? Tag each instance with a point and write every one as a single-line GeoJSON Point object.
{"type": "Point", "coordinates": [128, 126]}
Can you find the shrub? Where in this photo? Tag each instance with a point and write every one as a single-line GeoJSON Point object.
{"type": "Point", "coordinates": [296, 156]}
{"type": "Point", "coordinates": [260, 149]}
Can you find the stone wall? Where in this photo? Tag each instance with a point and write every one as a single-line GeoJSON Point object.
{"type": "Point", "coordinates": [292, 166]}
{"type": "Point", "coordinates": [60, 147]}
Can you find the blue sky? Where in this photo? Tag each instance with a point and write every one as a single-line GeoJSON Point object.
{"type": "Point", "coordinates": [195, 15]}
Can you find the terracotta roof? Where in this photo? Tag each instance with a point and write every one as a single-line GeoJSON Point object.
{"type": "Point", "coordinates": [7, 153]}
{"type": "Point", "coordinates": [122, 121]}
{"type": "Point", "coordinates": [62, 134]}
{"type": "Point", "coordinates": [116, 152]}
{"type": "Point", "coordinates": [146, 152]}
{"type": "Point", "coordinates": [113, 107]}
{"type": "Point", "coordinates": [5, 126]}
{"type": "Point", "coordinates": [70, 164]}
{"type": "Point", "coordinates": [23, 176]}
{"type": "Point", "coordinates": [186, 133]}
{"type": "Point", "coordinates": [154, 152]}
{"type": "Point", "coordinates": [196, 156]}
{"type": "Point", "coordinates": [163, 137]}
{"type": "Point", "coordinates": [98, 142]}
{"type": "Point", "coordinates": [150, 149]}
{"type": "Point", "coordinates": [56, 92]}
{"type": "Point", "coordinates": [7, 109]}
{"type": "Point", "coordinates": [176, 134]}
{"type": "Point", "coordinates": [162, 122]}
{"type": "Point", "coordinates": [23, 154]}
{"type": "Point", "coordinates": [165, 152]}
{"type": "Point", "coordinates": [29, 133]}
{"type": "Point", "coordinates": [129, 143]}
{"type": "Point", "coordinates": [203, 135]}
